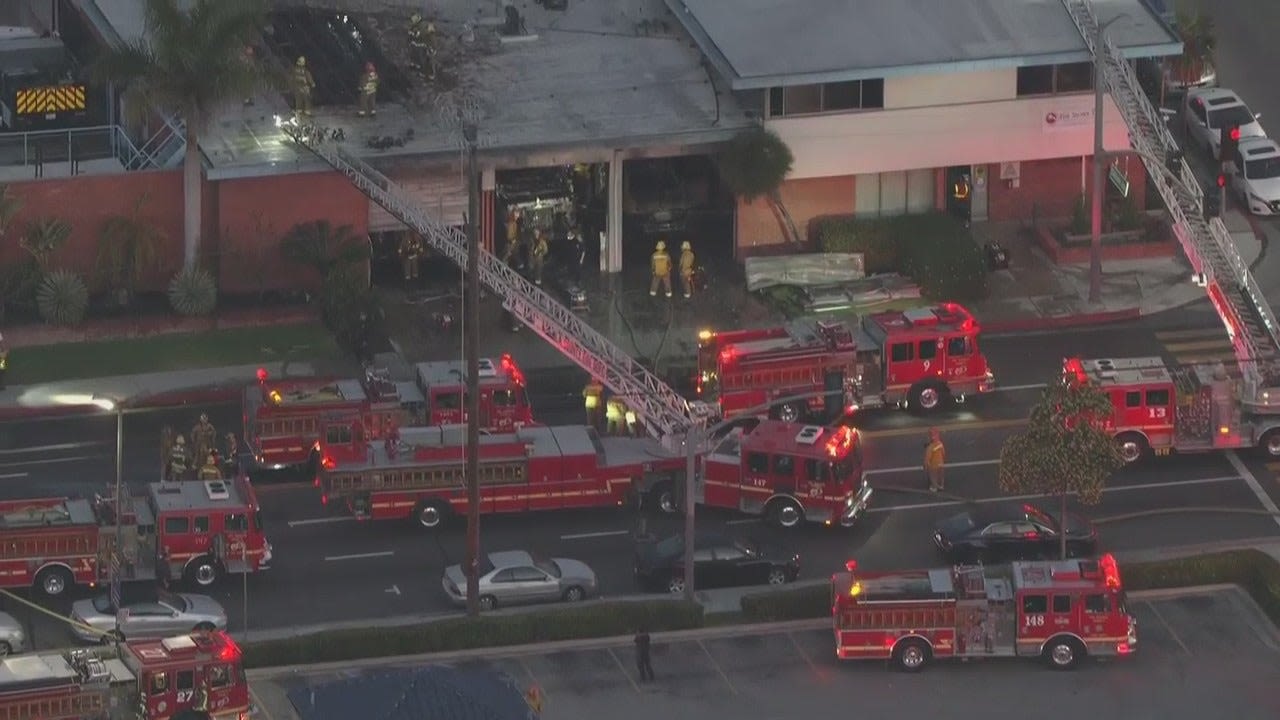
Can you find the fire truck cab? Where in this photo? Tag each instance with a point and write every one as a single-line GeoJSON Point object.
{"type": "Point", "coordinates": [788, 474]}
{"type": "Point", "coordinates": [187, 677]}
{"type": "Point", "coordinates": [1161, 408]}
{"type": "Point", "coordinates": [504, 402]}
{"type": "Point", "coordinates": [1058, 611]}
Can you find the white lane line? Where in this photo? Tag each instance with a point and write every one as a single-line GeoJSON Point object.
{"type": "Point", "coordinates": [361, 556]}
{"type": "Point", "coordinates": [11, 476]}
{"type": "Point", "coordinates": [1011, 498]}
{"type": "Point", "coordinates": [52, 461]}
{"type": "Point", "coordinates": [1015, 388]}
{"type": "Point", "coordinates": [584, 536]}
{"type": "Point", "coordinates": [920, 468]}
{"type": "Point", "coordinates": [623, 669]}
{"type": "Point", "coordinates": [719, 669]}
{"type": "Point", "coordinates": [743, 521]}
{"type": "Point", "coordinates": [1254, 485]}
{"type": "Point", "coordinates": [1172, 633]}
{"type": "Point", "coordinates": [319, 521]}
{"type": "Point", "coordinates": [55, 447]}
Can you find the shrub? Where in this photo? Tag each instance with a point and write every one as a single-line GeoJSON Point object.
{"type": "Point", "coordinates": [810, 601]}
{"type": "Point", "coordinates": [192, 292]}
{"type": "Point", "coordinates": [1081, 223]}
{"type": "Point", "coordinates": [872, 238]}
{"type": "Point", "coordinates": [62, 298]}
{"type": "Point", "coordinates": [603, 619]}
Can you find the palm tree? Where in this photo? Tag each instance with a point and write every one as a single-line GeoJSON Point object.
{"type": "Point", "coordinates": [755, 164]}
{"type": "Point", "coordinates": [189, 63]}
{"type": "Point", "coordinates": [1199, 44]}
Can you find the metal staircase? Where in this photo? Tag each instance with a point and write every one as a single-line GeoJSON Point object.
{"type": "Point", "coordinates": [1207, 244]}
{"type": "Point", "coordinates": [666, 414]}
{"type": "Point", "coordinates": [163, 149]}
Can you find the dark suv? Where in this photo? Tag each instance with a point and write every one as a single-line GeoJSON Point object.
{"type": "Point", "coordinates": [719, 561]}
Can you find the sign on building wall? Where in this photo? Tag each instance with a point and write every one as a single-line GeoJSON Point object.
{"type": "Point", "coordinates": [1055, 120]}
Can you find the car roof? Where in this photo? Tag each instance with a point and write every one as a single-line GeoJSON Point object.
{"type": "Point", "coordinates": [510, 558]}
{"type": "Point", "coordinates": [1216, 98]}
{"type": "Point", "coordinates": [988, 513]}
{"type": "Point", "coordinates": [1255, 147]}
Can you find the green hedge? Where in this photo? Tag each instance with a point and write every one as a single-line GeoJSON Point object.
{"type": "Point", "coordinates": [1255, 571]}
{"type": "Point", "coordinates": [566, 623]}
{"type": "Point", "coordinates": [935, 250]}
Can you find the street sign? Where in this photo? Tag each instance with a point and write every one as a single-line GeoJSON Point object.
{"type": "Point", "coordinates": [1119, 179]}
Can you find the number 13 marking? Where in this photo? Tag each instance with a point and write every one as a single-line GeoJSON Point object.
{"type": "Point", "coordinates": [1157, 413]}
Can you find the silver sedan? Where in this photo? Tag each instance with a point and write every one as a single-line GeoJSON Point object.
{"type": "Point", "coordinates": [515, 577]}
{"type": "Point", "coordinates": [13, 638]}
{"type": "Point", "coordinates": [163, 615]}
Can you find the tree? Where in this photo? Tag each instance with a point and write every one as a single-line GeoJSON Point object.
{"type": "Point", "coordinates": [44, 238]}
{"type": "Point", "coordinates": [323, 247]}
{"type": "Point", "coordinates": [127, 248]}
{"type": "Point", "coordinates": [189, 63]}
{"type": "Point", "coordinates": [9, 207]}
{"type": "Point", "coordinates": [754, 165]}
{"type": "Point", "coordinates": [1199, 45]}
{"type": "Point", "coordinates": [1062, 451]}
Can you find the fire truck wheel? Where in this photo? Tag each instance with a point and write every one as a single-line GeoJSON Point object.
{"type": "Point", "coordinates": [911, 655]}
{"type": "Point", "coordinates": [675, 585]}
{"type": "Point", "coordinates": [663, 497]}
{"type": "Point", "coordinates": [54, 580]}
{"type": "Point", "coordinates": [785, 513]}
{"type": "Point", "coordinates": [429, 515]}
{"type": "Point", "coordinates": [927, 398]}
{"type": "Point", "coordinates": [574, 594]}
{"type": "Point", "coordinates": [203, 572]}
{"type": "Point", "coordinates": [1063, 653]}
{"type": "Point", "coordinates": [1271, 443]}
{"type": "Point", "coordinates": [777, 576]}
{"type": "Point", "coordinates": [488, 602]}
{"type": "Point", "coordinates": [5, 649]}
{"type": "Point", "coordinates": [1132, 447]}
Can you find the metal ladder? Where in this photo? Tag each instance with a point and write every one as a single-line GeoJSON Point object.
{"type": "Point", "coordinates": [1207, 244]}
{"type": "Point", "coordinates": [666, 414]}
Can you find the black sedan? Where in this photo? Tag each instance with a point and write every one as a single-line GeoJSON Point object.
{"type": "Point", "coordinates": [718, 562]}
{"type": "Point", "coordinates": [1003, 533]}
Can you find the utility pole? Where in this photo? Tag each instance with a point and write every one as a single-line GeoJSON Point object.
{"type": "Point", "coordinates": [1099, 160]}
{"type": "Point", "coordinates": [471, 299]}
{"type": "Point", "coordinates": [693, 442]}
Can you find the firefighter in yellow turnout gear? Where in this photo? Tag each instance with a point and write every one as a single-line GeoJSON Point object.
{"type": "Point", "coordinates": [303, 84]}
{"type": "Point", "coordinates": [687, 261]}
{"type": "Point", "coordinates": [592, 395]}
{"type": "Point", "coordinates": [210, 470]}
{"type": "Point", "coordinates": [368, 91]}
{"type": "Point", "coordinates": [178, 460]}
{"type": "Point", "coordinates": [660, 265]}
{"type": "Point", "coordinates": [410, 255]}
{"type": "Point", "coordinates": [614, 413]}
{"type": "Point", "coordinates": [538, 257]}
{"type": "Point", "coordinates": [204, 438]}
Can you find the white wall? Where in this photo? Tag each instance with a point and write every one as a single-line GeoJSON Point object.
{"type": "Point", "coordinates": [950, 88]}
{"type": "Point", "coordinates": [946, 135]}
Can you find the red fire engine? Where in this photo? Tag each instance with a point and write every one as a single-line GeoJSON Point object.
{"type": "Point", "coordinates": [910, 358]}
{"type": "Point", "coordinates": [1161, 408]}
{"type": "Point", "coordinates": [198, 531]}
{"type": "Point", "coordinates": [188, 677]}
{"type": "Point", "coordinates": [789, 474]}
{"type": "Point", "coordinates": [1061, 611]}
{"type": "Point", "coordinates": [282, 418]}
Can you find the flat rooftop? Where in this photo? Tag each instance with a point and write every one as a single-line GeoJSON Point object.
{"type": "Point", "coordinates": [768, 43]}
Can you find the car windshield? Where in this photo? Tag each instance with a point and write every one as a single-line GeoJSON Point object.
{"type": "Point", "coordinates": [549, 567]}
{"type": "Point", "coordinates": [486, 565]}
{"type": "Point", "coordinates": [1040, 518]}
{"type": "Point", "coordinates": [670, 547]}
{"type": "Point", "coordinates": [1262, 169]}
{"type": "Point", "coordinates": [1226, 117]}
{"type": "Point", "coordinates": [102, 604]}
{"type": "Point", "coordinates": [177, 602]}
{"type": "Point", "coordinates": [959, 523]}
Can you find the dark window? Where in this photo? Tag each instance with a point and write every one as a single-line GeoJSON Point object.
{"type": "Point", "coordinates": [872, 94]}
{"type": "Point", "coordinates": [504, 576]}
{"type": "Point", "coordinates": [1133, 399]}
{"type": "Point", "coordinates": [503, 398]}
{"type": "Point", "coordinates": [449, 401]}
{"type": "Point", "coordinates": [1035, 80]}
{"type": "Point", "coordinates": [1095, 603]}
{"type": "Point", "coordinates": [1000, 529]}
{"type": "Point", "coordinates": [1062, 603]}
{"type": "Point", "coordinates": [842, 95]}
{"type": "Point", "coordinates": [928, 349]}
{"type": "Point", "coordinates": [802, 99]}
{"type": "Point", "coordinates": [831, 97]}
{"type": "Point", "coordinates": [219, 676]}
{"type": "Point", "coordinates": [177, 525]}
{"type": "Point", "coordinates": [958, 346]}
{"type": "Point", "coordinates": [159, 683]}
{"type": "Point", "coordinates": [337, 434]}
{"type": "Point", "coordinates": [902, 352]}
{"type": "Point", "coordinates": [1035, 604]}
{"type": "Point", "coordinates": [757, 463]}
{"type": "Point", "coordinates": [528, 574]}
{"type": "Point", "coordinates": [202, 525]}
{"type": "Point", "coordinates": [235, 522]}
{"type": "Point", "coordinates": [775, 102]}
{"type": "Point", "coordinates": [1074, 77]}
{"type": "Point", "coordinates": [813, 471]}
{"type": "Point", "coordinates": [784, 466]}
{"type": "Point", "coordinates": [1158, 398]}
{"type": "Point", "coordinates": [186, 680]}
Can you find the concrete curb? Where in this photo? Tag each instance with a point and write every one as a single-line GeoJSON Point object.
{"type": "Point", "coordinates": [1063, 321]}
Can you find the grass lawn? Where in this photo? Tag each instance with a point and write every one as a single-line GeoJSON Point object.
{"type": "Point", "coordinates": [238, 346]}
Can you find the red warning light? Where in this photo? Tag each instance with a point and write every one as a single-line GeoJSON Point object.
{"type": "Point", "coordinates": [1222, 180]}
{"type": "Point", "coordinates": [1234, 133]}
{"type": "Point", "coordinates": [262, 375]}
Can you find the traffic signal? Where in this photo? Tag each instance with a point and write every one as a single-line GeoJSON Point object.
{"type": "Point", "coordinates": [1229, 141]}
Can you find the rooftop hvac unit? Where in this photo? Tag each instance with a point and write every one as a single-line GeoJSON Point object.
{"type": "Point", "coordinates": [487, 369]}
{"type": "Point", "coordinates": [809, 435]}
{"type": "Point", "coordinates": [217, 490]}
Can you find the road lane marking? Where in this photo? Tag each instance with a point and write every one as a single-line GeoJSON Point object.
{"type": "Point", "coordinates": [52, 461]}
{"type": "Point", "coordinates": [1254, 485]}
{"type": "Point", "coordinates": [960, 426]}
{"type": "Point", "coordinates": [1156, 611]}
{"type": "Point", "coordinates": [623, 668]}
{"type": "Point", "coordinates": [606, 533]}
{"type": "Point", "coordinates": [804, 655]}
{"type": "Point", "coordinates": [11, 476]}
{"type": "Point", "coordinates": [361, 556]}
{"type": "Point", "coordinates": [1012, 498]}
{"type": "Point", "coordinates": [533, 678]}
{"type": "Point", "coordinates": [54, 447]}
{"type": "Point", "coordinates": [920, 468]}
{"type": "Point", "coordinates": [319, 521]}
{"type": "Point", "coordinates": [743, 521]}
{"type": "Point", "coordinates": [1015, 388]}
{"type": "Point", "coordinates": [719, 669]}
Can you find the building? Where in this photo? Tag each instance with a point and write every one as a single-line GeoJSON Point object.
{"type": "Point", "coordinates": [886, 104]}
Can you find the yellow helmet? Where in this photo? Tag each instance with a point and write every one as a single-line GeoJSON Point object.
{"type": "Point", "coordinates": [416, 18]}
{"type": "Point", "coordinates": [685, 245]}
{"type": "Point", "coordinates": [302, 61]}
{"type": "Point", "coordinates": [179, 440]}
{"type": "Point", "coordinates": [660, 246]}
{"type": "Point", "coordinates": [431, 27]}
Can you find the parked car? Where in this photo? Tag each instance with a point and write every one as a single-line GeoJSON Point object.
{"type": "Point", "coordinates": [515, 577]}
{"type": "Point", "coordinates": [719, 561]}
{"type": "Point", "coordinates": [1206, 111]}
{"type": "Point", "coordinates": [1257, 175]}
{"type": "Point", "coordinates": [13, 637]}
{"type": "Point", "coordinates": [1007, 532]}
{"type": "Point", "coordinates": [149, 613]}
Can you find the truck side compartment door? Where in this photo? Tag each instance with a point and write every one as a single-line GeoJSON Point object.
{"type": "Point", "coordinates": [903, 368]}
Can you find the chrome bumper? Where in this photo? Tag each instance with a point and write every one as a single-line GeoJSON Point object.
{"type": "Point", "coordinates": [857, 505]}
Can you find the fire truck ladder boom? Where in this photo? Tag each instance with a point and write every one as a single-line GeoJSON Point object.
{"type": "Point", "coordinates": [1207, 244]}
{"type": "Point", "coordinates": [664, 412]}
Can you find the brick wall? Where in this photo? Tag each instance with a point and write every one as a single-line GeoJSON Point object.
{"type": "Point", "coordinates": [1053, 187]}
{"type": "Point", "coordinates": [757, 228]}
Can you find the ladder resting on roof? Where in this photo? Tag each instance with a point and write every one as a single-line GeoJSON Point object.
{"type": "Point", "coordinates": [1207, 244]}
{"type": "Point", "coordinates": [664, 412]}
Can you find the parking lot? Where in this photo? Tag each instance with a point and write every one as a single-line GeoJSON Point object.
{"type": "Point", "coordinates": [1210, 654]}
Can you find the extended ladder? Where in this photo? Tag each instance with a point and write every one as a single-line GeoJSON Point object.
{"type": "Point", "coordinates": [666, 414]}
{"type": "Point", "coordinates": [1207, 244]}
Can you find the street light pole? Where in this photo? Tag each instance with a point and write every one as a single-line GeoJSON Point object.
{"type": "Point", "coordinates": [471, 299]}
{"type": "Point", "coordinates": [1099, 159]}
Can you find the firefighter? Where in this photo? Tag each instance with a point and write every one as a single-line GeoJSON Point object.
{"type": "Point", "coordinates": [4, 360]}
{"type": "Point", "coordinates": [410, 255]}
{"type": "Point", "coordinates": [538, 257]}
{"type": "Point", "coordinates": [166, 444]}
{"type": "Point", "coordinates": [629, 422]}
{"type": "Point", "coordinates": [204, 437]}
{"type": "Point", "coordinates": [960, 192]}
{"type": "Point", "coordinates": [533, 696]}
{"type": "Point", "coordinates": [579, 250]}
{"type": "Point", "coordinates": [303, 84]}
{"type": "Point", "coordinates": [368, 91]}
{"type": "Point", "coordinates": [232, 458]}
{"type": "Point", "coordinates": [422, 46]}
{"type": "Point", "coordinates": [687, 261]}
{"type": "Point", "coordinates": [210, 470]}
{"type": "Point", "coordinates": [935, 457]}
{"type": "Point", "coordinates": [509, 254]}
{"type": "Point", "coordinates": [178, 459]}
{"type": "Point", "coordinates": [660, 265]}
{"type": "Point", "coordinates": [614, 413]}
{"type": "Point", "coordinates": [591, 396]}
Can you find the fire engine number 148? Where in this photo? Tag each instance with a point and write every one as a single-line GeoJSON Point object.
{"type": "Point", "coordinates": [1035, 620]}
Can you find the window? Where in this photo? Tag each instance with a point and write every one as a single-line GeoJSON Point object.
{"type": "Point", "coordinates": [202, 525]}
{"type": "Point", "coordinates": [729, 553]}
{"type": "Point", "coordinates": [337, 435]}
{"type": "Point", "coordinates": [1026, 529]}
{"type": "Point", "coordinates": [1035, 604]}
{"type": "Point", "coordinates": [186, 680]}
{"type": "Point", "coordinates": [1000, 529]}
{"type": "Point", "coordinates": [235, 522]}
{"type": "Point", "coordinates": [177, 525]}
{"type": "Point", "coordinates": [757, 463]}
{"type": "Point", "coordinates": [1133, 399]}
{"type": "Point", "coordinates": [1234, 115]}
{"type": "Point", "coordinates": [703, 555]}
{"type": "Point", "coordinates": [503, 398]}
{"type": "Point", "coordinates": [159, 683]}
{"type": "Point", "coordinates": [1264, 169]}
{"type": "Point", "coordinates": [958, 346]}
{"type": "Point", "coordinates": [1197, 110]}
{"type": "Point", "coordinates": [1095, 604]}
{"type": "Point", "coordinates": [842, 95]}
{"type": "Point", "coordinates": [1074, 77]}
{"type": "Point", "coordinates": [814, 471]}
{"type": "Point", "coordinates": [902, 352]}
{"type": "Point", "coordinates": [1035, 80]}
{"type": "Point", "coordinates": [449, 401]}
{"type": "Point", "coordinates": [928, 349]}
{"type": "Point", "coordinates": [219, 676]}
{"type": "Point", "coordinates": [1158, 398]}
{"type": "Point", "coordinates": [784, 466]}
{"type": "Point", "coordinates": [831, 97]}
{"type": "Point", "coordinates": [802, 99]}
{"type": "Point", "coordinates": [504, 576]}
{"type": "Point", "coordinates": [528, 574]}
{"type": "Point", "coordinates": [1062, 603]}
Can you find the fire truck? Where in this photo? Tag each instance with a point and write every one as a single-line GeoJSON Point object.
{"type": "Point", "coordinates": [1160, 408]}
{"type": "Point", "coordinates": [905, 358]}
{"type": "Point", "coordinates": [1059, 611]}
{"type": "Point", "coordinates": [197, 531]}
{"type": "Point", "coordinates": [187, 677]}
{"type": "Point", "coordinates": [788, 474]}
{"type": "Point", "coordinates": [282, 418]}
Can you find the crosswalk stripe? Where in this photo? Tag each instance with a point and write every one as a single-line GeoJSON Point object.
{"type": "Point", "coordinates": [1198, 333]}
{"type": "Point", "coordinates": [1176, 348]}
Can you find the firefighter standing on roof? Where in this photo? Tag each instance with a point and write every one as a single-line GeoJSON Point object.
{"type": "Point", "coordinates": [539, 256]}
{"type": "Point", "coordinates": [210, 470]}
{"type": "Point", "coordinates": [410, 255]}
{"type": "Point", "coordinates": [510, 254]}
{"type": "Point", "coordinates": [368, 91]}
{"type": "Point", "coordinates": [660, 265]}
{"type": "Point", "coordinates": [687, 261]}
{"type": "Point", "coordinates": [303, 84]}
{"type": "Point", "coordinates": [178, 459]}
{"type": "Point", "coordinates": [204, 437]}
{"type": "Point", "coordinates": [614, 412]}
